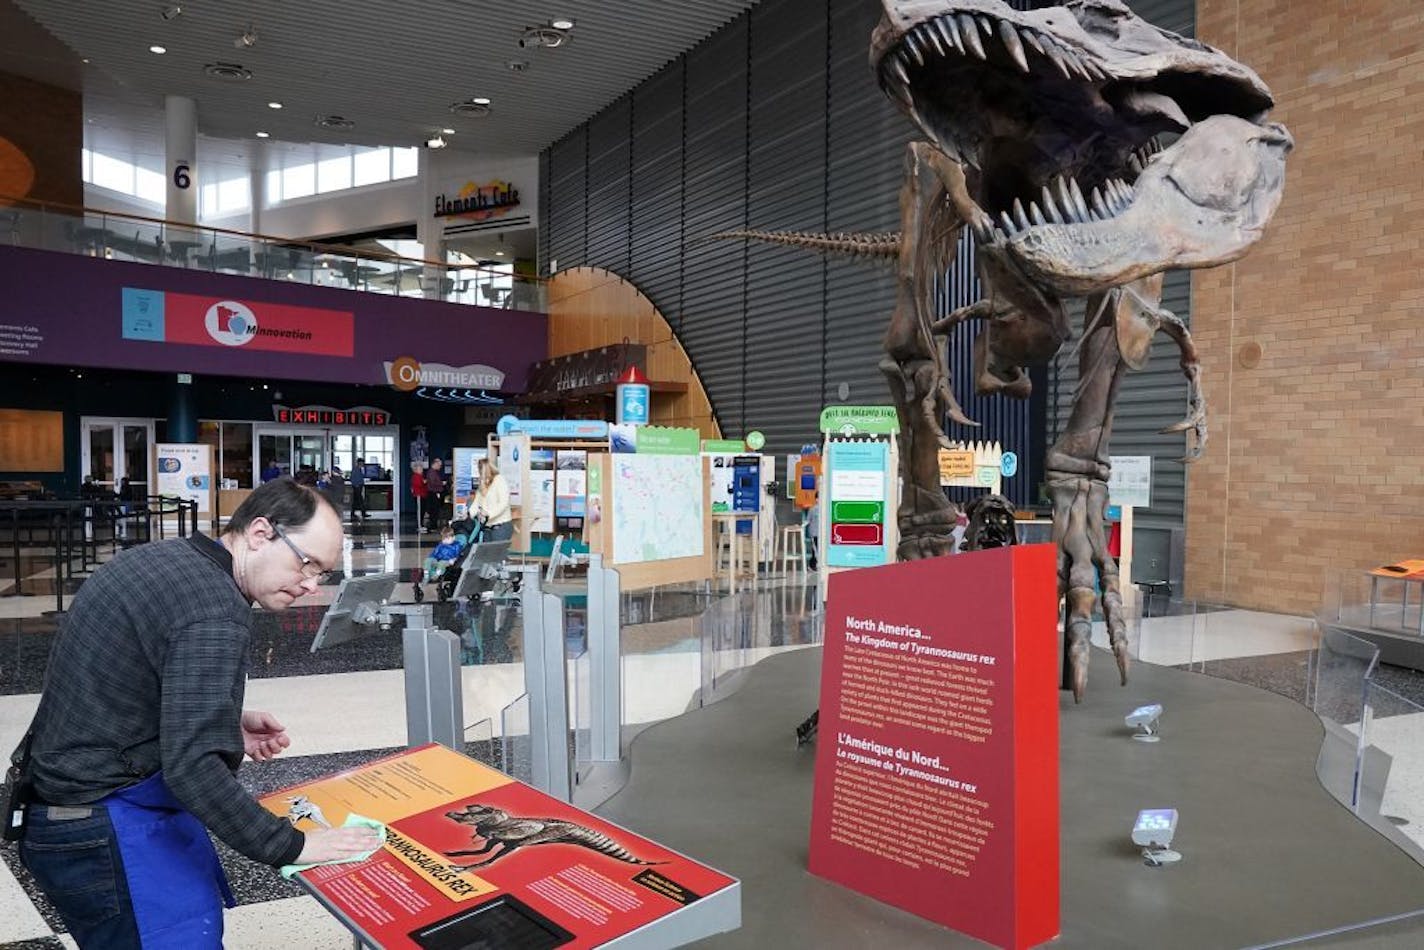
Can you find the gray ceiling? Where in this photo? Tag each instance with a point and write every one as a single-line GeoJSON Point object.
{"type": "Point", "coordinates": [393, 66]}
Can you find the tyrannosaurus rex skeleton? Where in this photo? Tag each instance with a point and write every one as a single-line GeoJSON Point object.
{"type": "Point", "coordinates": [1040, 132]}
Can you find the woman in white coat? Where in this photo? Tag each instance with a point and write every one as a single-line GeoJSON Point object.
{"type": "Point", "coordinates": [491, 504]}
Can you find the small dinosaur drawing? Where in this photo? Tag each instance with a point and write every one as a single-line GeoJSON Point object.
{"type": "Point", "coordinates": [303, 807]}
{"type": "Point", "coordinates": [498, 827]}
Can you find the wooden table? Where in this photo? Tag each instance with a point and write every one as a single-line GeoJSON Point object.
{"type": "Point", "coordinates": [724, 523]}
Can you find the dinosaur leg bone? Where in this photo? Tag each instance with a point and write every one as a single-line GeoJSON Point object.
{"type": "Point", "coordinates": [1196, 402]}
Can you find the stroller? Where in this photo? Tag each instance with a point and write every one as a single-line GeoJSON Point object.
{"type": "Point", "coordinates": [466, 530]}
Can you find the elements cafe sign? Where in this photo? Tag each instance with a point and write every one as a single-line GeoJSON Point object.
{"type": "Point", "coordinates": [478, 202]}
{"type": "Point", "coordinates": [408, 374]}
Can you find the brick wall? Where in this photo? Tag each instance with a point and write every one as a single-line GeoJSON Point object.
{"type": "Point", "coordinates": [1316, 459]}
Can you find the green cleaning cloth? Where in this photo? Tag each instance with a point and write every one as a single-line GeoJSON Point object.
{"type": "Point", "coordinates": [351, 821]}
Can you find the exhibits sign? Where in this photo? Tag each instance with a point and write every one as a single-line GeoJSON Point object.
{"type": "Point", "coordinates": [936, 783]}
{"type": "Point", "coordinates": [474, 858]}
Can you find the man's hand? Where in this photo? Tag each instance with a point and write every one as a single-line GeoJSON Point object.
{"type": "Point", "coordinates": [333, 844]}
{"type": "Point", "coordinates": [262, 735]}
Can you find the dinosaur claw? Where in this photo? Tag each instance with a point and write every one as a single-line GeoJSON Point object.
{"type": "Point", "coordinates": [1176, 427]}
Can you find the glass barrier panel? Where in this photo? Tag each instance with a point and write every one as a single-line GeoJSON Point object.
{"type": "Point", "coordinates": [1339, 671]}
{"type": "Point", "coordinates": [660, 654]}
{"type": "Point", "coordinates": [580, 710]}
{"type": "Point", "coordinates": [1393, 766]}
{"type": "Point", "coordinates": [1266, 650]}
{"type": "Point", "coordinates": [516, 757]}
{"type": "Point", "coordinates": [1163, 630]}
{"type": "Point", "coordinates": [480, 744]}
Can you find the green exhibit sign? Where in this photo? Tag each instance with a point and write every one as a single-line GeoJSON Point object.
{"type": "Point", "coordinates": [658, 440]}
{"type": "Point", "coordinates": [858, 512]}
{"type": "Point", "coordinates": [724, 446]}
{"type": "Point", "coordinates": [857, 420]}
{"type": "Point", "coordinates": [755, 440]}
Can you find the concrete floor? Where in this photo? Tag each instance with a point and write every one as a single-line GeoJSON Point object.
{"type": "Point", "coordinates": [1269, 855]}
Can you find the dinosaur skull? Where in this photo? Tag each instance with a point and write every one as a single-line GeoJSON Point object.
{"type": "Point", "coordinates": [1056, 112]}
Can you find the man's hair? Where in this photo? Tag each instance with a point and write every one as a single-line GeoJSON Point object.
{"type": "Point", "coordinates": [281, 501]}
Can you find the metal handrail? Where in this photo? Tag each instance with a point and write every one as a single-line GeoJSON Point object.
{"type": "Point", "coordinates": [77, 527]}
{"type": "Point", "coordinates": [317, 247]}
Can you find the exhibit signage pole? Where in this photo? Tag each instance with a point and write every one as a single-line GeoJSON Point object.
{"type": "Point", "coordinates": [605, 666]}
{"type": "Point", "coordinates": [434, 695]}
{"type": "Point", "coordinates": [546, 683]}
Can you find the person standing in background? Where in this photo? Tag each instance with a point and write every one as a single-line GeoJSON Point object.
{"type": "Point", "coordinates": [272, 472]}
{"type": "Point", "coordinates": [435, 492]}
{"type": "Point", "coordinates": [358, 490]}
{"type": "Point", "coordinates": [420, 493]}
{"type": "Point", "coordinates": [491, 504]}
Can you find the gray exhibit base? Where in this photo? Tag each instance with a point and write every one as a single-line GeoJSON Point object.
{"type": "Point", "coordinates": [1269, 855]}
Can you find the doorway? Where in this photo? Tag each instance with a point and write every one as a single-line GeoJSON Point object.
{"type": "Point", "coordinates": [112, 450]}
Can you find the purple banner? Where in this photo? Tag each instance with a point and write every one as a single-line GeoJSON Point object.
{"type": "Point", "coordinates": [69, 310]}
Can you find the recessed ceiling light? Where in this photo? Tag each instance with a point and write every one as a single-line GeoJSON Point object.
{"type": "Point", "coordinates": [263, 135]}
{"type": "Point", "coordinates": [158, 49]}
{"type": "Point", "coordinates": [562, 23]}
{"type": "Point", "coordinates": [84, 61]}
{"type": "Point", "coordinates": [498, 253]}
{"type": "Point", "coordinates": [274, 105]}
{"type": "Point", "coordinates": [447, 131]}
{"type": "Point", "coordinates": [481, 100]}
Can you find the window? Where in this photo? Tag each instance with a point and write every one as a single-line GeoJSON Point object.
{"type": "Point", "coordinates": [150, 186]}
{"type": "Point", "coordinates": [234, 195]}
{"type": "Point", "coordinates": [405, 162]}
{"type": "Point", "coordinates": [334, 174]}
{"type": "Point", "coordinates": [113, 174]}
{"type": "Point", "coordinates": [373, 166]}
{"type": "Point", "coordinates": [274, 186]}
{"type": "Point", "coordinates": [298, 181]}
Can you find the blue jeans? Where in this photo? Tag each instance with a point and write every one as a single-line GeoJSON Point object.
{"type": "Point", "coordinates": [77, 864]}
{"type": "Point", "coordinates": [498, 532]}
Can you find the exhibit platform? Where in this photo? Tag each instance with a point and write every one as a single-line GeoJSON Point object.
{"type": "Point", "coordinates": [1270, 858]}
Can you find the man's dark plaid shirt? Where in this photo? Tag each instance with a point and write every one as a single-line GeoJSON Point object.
{"type": "Point", "coordinates": [148, 672]}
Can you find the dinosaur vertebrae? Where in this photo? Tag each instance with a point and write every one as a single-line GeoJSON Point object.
{"type": "Point", "coordinates": [877, 245]}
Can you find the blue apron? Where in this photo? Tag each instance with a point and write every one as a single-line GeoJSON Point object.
{"type": "Point", "coordinates": [176, 883]}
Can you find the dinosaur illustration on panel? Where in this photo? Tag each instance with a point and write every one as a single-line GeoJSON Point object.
{"type": "Point", "coordinates": [498, 828]}
{"type": "Point", "coordinates": [1042, 134]}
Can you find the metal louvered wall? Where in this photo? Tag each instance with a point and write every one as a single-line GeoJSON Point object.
{"type": "Point", "coordinates": [773, 122]}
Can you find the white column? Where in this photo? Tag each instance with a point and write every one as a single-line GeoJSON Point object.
{"type": "Point", "coordinates": [428, 228]}
{"type": "Point", "coordinates": [257, 185]}
{"type": "Point", "coordinates": [180, 119]}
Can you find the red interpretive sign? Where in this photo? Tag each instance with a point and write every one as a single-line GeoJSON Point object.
{"type": "Point", "coordinates": [474, 858]}
{"type": "Point", "coordinates": [937, 762]}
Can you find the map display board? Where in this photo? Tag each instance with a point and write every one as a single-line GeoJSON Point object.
{"type": "Point", "coordinates": [465, 478]}
{"type": "Point", "coordinates": [540, 503]}
{"type": "Point", "coordinates": [185, 470]}
{"type": "Point", "coordinates": [657, 507]}
{"type": "Point", "coordinates": [475, 859]}
{"type": "Point", "coordinates": [936, 784]}
{"type": "Point", "coordinates": [859, 482]}
{"type": "Point", "coordinates": [571, 484]}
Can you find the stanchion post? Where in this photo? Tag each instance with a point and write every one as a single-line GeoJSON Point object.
{"type": "Point", "coordinates": [546, 681]}
{"type": "Point", "coordinates": [15, 548]}
{"type": "Point", "coordinates": [434, 694]}
{"type": "Point", "coordinates": [605, 665]}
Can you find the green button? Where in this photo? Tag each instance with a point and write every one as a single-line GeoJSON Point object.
{"type": "Point", "coordinates": [858, 512]}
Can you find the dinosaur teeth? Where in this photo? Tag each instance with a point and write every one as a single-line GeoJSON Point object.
{"type": "Point", "coordinates": [1010, 38]}
{"type": "Point", "coordinates": [911, 44]}
{"type": "Point", "coordinates": [932, 35]}
{"type": "Point", "coordinates": [1036, 214]}
{"type": "Point", "coordinates": [1031, 38]}
{"type": "Point", "coordinates": [1095, 202]}
{"type": "Point", "coordinates": [1051, 209]}
{"type": "Point", "coordinates": [986, 23]}
{"type": "Point", "coordinates": [950, 32]}
{"type": "Point", "coordinates": [1008, 222]}
{"type": "Point", "coordinates": [970, 31]}
{"type": "Point", "coordinates": [1065, 200]}
{"type": "Point", "coordinates": [898, 68]}
{"type": "Point", "coordinates": [1019, 216]}
{"type": "Point", "coordinates": [1079, 205]}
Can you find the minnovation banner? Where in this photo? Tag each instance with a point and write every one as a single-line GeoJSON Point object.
{"type": "Point", "coordinates": [73, 310]}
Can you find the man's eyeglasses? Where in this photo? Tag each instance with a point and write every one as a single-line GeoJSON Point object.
{"type": "Point", "coordinates": [311, 570]}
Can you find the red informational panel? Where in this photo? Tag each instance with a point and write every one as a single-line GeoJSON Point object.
{"type": "Point", "coordinates": [475, 859]}
{"type": "Point", "coordinates": [937, 760]}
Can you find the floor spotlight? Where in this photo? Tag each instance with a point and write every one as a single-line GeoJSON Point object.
{"type": "Point", "coordinates": [1144, 720]}
{"type": "Point", "coordinates": [1153, 833]}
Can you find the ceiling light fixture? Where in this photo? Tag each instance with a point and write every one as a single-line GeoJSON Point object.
{"type": "Point", "coordinates": [435, 142]}
{"type": "Point", "coordinates": [160, 50]}
{"type": "Point", "coordinates": [247, 40]}
{"type": "Point", "coordinates": [481, 100]}
{"type": "Point", "coordinates": [274, 105]}
{"type": "Point", "coordinates": [562, 23]}
{"type": "Point", "coordinates": [263, 135]}
{"type": "Point", "coordinates": [547, 37]}
{"type": "Point", "coordinates": [171, 12]}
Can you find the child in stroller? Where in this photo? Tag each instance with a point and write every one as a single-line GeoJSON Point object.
{"type": "Point", "coordinates": [442, 567]}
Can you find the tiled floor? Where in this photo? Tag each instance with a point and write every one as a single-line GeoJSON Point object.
{"type": "Point", "coordinates": [346, 705]}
